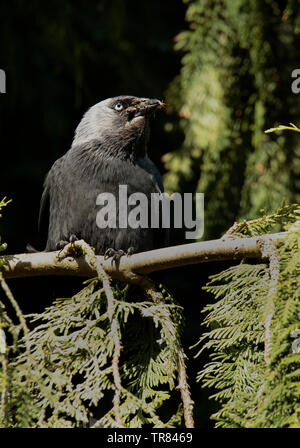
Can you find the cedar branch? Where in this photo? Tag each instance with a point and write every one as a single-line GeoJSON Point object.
{"type": "Point", "coordinates": [133, 267]}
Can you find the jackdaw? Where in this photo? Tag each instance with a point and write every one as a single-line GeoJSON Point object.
{"type": "Point", "coordinates": [109, 149]}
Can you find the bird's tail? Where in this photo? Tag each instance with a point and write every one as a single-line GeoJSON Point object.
{"type": "Point", "coordinates": [30, 248]}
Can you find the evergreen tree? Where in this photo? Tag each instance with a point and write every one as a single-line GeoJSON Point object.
{"type": "Point", "coordinates": [235, 82]}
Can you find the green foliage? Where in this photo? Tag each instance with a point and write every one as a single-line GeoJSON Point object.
{"type": "Point", "coordinates": [274, 222]}
{"type": "Point", "coordinates": [63, 374]}
{"type": "Point", "coordinates": [236, 367]}
{"type": "Point", "coordinates": [253, 370]}
{"type": "Point", "coordinates": [281, 127]}
{"type": "Point", "coordinates": [278, 401]}
{"type": "Point", "coordinates": [3, 204]}
{"type": "Point", "coordinates": [235, 82]}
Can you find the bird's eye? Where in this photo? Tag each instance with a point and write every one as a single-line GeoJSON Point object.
{"type": "Point", "coordinates": [119, 106]}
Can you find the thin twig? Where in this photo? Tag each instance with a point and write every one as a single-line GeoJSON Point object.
{"type": "Point", "coordinates": [269, 251]}
{"type": "Point", "coordinates": [3, 351]}
{"type": "Point", "coordinates": [183, 386]}
{"type": "Point", "coordinates": [14, 304]}
{"type": "Point", "coordinates": [3, 359]}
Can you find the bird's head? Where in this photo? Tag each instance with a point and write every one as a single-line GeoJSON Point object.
{"type": "Point", "coordinates": [118, 125]}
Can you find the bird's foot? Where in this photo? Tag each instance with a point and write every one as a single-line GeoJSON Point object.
{"type": "Point", "coordinates": [73, 250]}
{"type": "Point", "coordinates": [61, 244]}
{"type": "Point", "coordinates": [73, 238]}
{"type": "Point", "coordinates": [116, 255]}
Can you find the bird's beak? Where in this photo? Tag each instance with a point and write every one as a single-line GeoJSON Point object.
{"type": "Point", "coordinates": [145, 106]}
{"type": "Point", "coordinates": [150, 104]}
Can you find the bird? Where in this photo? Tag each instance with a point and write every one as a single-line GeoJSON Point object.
{"type": "Point", "coordinates": [109, 149]}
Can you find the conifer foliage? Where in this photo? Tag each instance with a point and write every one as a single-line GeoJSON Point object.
{"type": "Point", "coordinates": [255, 363]}
{"type": "Point", "coordinates": [106, 357]}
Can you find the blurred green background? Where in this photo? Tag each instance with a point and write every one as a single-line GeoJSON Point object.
{"type": "Point", "coordinates": [224, 68]}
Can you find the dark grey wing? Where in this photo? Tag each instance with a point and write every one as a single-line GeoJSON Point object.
{"type": "Point", "coordinates": [43, 219]}
{"type": "Point", "coordinates": [52, 205]}
{"type": "Point", "coordinates": [149, 166]}
{"type": "Point", "coordinates": [44, 207]}
{"type": "Point", "coordinates": [163, 236]}
{"type": "Point", "coordinates": [72, 195]}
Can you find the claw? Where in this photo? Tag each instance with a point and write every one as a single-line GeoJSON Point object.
{"type": "Point", "coordinates": [130, 251]}
{"type": "Point", "coordinates": [73, 238]}
{"type": "Point", "coordinates": [61, 244]}
{"type": "Point", "coordinates": [74, 251]}
{"type": "Point", "coordinates": [109, 253]}
{"type": "Point", "coordinates": [115, 255]}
